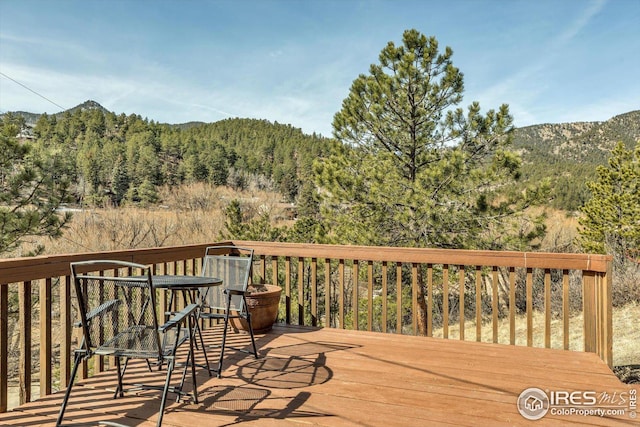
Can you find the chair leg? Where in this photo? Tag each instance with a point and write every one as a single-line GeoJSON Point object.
{"type": "Point", "coordinates": [204, 349]}
{"type": "Point", "coordinates": [191, 360]}
{"type": "Point", "coordinates": [120, 370]}
{"type": "Point", "coordinates": [192, 356]}
{"type": "Point", "coordinates": [224, 334]}
{"type": "Point", "coordinates": [253, 340]}
{"type": "Point", "coordinates": [163, 402]}
{"type": "Point", "coordinates": [224, 341]}
{"type": "Point", "coordinates": [74, 371]}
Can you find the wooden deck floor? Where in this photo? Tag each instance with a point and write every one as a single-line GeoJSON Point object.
{"type": "Point", "coordinates": [337, 378]}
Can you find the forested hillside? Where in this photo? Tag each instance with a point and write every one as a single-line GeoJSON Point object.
{"type": "Point", "coordinates": [568, 153]}
{"type": "Point", "coordinates": [115, 158]}
{"type": "Point", "coordinates": [111, 159]}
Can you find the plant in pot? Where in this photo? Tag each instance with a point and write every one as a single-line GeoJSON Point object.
{"type": "Point", "coordinates": [262, 302]}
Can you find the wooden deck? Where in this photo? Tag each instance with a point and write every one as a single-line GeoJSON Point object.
{"type": "Point", "coordinates": [330, 377]}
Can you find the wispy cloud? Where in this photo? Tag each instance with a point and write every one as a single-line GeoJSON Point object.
{"type": "Point", "coordinates": [575, 27]}
{"type": "Point", "coordinates": [531, 86]}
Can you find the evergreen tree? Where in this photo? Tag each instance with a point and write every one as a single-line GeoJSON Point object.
{"type": "Point", "coordinates": [258, 228]}
{"type": "Point", "coordinates": [30, 190]}
{"type": "Point", "coordinates": [308, 228]}
{"type": "Point", "coordinates": [611, 218]}
{"type": "Point", "coordinates": [119, 181]}
{"type": "Point", "coordinates": [409, 170]}
{"type": "Point", "coordinates": [147, 193]}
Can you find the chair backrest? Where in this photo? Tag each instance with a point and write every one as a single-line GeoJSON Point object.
{"type": "Point", "coordinates": [117, 311]}
{"type": "Point", "coordinates": [232, 264]}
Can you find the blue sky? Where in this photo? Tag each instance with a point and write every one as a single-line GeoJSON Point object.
{"type": "Point", "coordinates": [293, 61]}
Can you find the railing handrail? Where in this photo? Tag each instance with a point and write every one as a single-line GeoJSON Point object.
{"type": "Point", "coordinates": [15, 270]}
{"type": "Point", "coordinates": [552, 260]}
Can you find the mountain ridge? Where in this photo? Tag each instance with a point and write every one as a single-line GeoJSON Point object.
{"type": "Point", "coordinates": [579, 141]}
{"type": "Point", "coordinates": [623, 127]}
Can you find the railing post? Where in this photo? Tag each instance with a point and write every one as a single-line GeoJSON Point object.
{"type": "Point", "coordinates": [589, 305]}
{"type": "Point", "coordinates": [598, 316]}
{"type": "Point", "coordinates": [605, 325]}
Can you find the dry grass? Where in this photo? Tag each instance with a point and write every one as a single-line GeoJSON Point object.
{"type": "Point", "coordinates": [626, 333]}
{"type": "Point", "coordinates": [188, 215]}
{"type": "Point", "coordinates": [562, 230]}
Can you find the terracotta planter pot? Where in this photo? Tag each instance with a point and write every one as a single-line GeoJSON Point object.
{"type": "Point", "coordinates": [262, 302]}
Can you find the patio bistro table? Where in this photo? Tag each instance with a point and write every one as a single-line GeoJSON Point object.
{"type": "Point", "coordinates": [183, 283]}
{"type": "Point", "coordinates": [189, 286]}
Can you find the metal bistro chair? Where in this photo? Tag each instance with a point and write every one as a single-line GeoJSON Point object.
{"type": "Point", "coordinates": [232, 264]}
{"type": "Point", "coordinates": [119, 318]}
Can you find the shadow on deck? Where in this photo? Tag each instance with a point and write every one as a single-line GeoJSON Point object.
{"type": "Point", "coordinates": [330, 377]}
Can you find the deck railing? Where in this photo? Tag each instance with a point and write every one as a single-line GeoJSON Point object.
{"type": "Point", "coordinates": [395, 290]}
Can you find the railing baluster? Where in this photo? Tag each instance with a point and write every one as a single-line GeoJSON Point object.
{"type": "Point", "coordinates": [547, 308]}
{"type": "Point", "coordinates": [429, 300]}
{"type": "Point", "coordinates": [66, 329]}
{"type": "Point", "coordinates": [355, 282]}
{"type": "Point", "coordinates": [529, 285]}
{"type": "Point", "coordinates": [262, 273]}
{"type": "Point", "coordinates": [45, 337]}
{"type": "Point", "coordinates": [287, 289]}
{"type": "Point", "coordinates": [512, 306]}
{"type": "Point", "coordinates": [494, 302]}
{"type": "Point", "coordinates": [565, 309]}
{"type": "Point", "coordinates": [341, 288]}
{"type": "Point", "coordinates": [478, 303]}
{"type": "Point", "coordinates": [4, 346]}
{"type": "Point", "coordinates": [385, 291]}
{"type": "Point", "coordinates": [300, 291]}
{"type": "Point", "coordinates": [24, 325]}
{"type": "Point", "coordinates": [445, 301]}
{"type": "Point", "coordinates": [99, 361]}
{"type": "Point", "coordinates": [370, 295]}
{"type": "Point", "coordinates": [274, 270]}
{"type": "Point", "coordinates": [327, 292]}
{"type": "Point", "coordinates": [314, 291]}
{"type": "Point", "coordinates": [414, 298]}
{"type": "Point", "coordinates": [399, 297]}
{"type": "Point", "coordinates": [461, 291]}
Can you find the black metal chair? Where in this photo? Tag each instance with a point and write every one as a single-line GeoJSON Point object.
{"type": "Point", "coordinates": [232, 264]}
{"type": "Point", "coordinates": [119, 318]}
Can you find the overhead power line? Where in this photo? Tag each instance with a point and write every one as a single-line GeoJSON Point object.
{"type": "Point", "coordinates": [31, 90]}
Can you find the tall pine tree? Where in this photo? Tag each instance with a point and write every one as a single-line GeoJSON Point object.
{"type": "Point", "coordinates": [411, 169]}
{"type": "Point", "coordinates": [31, 190]}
